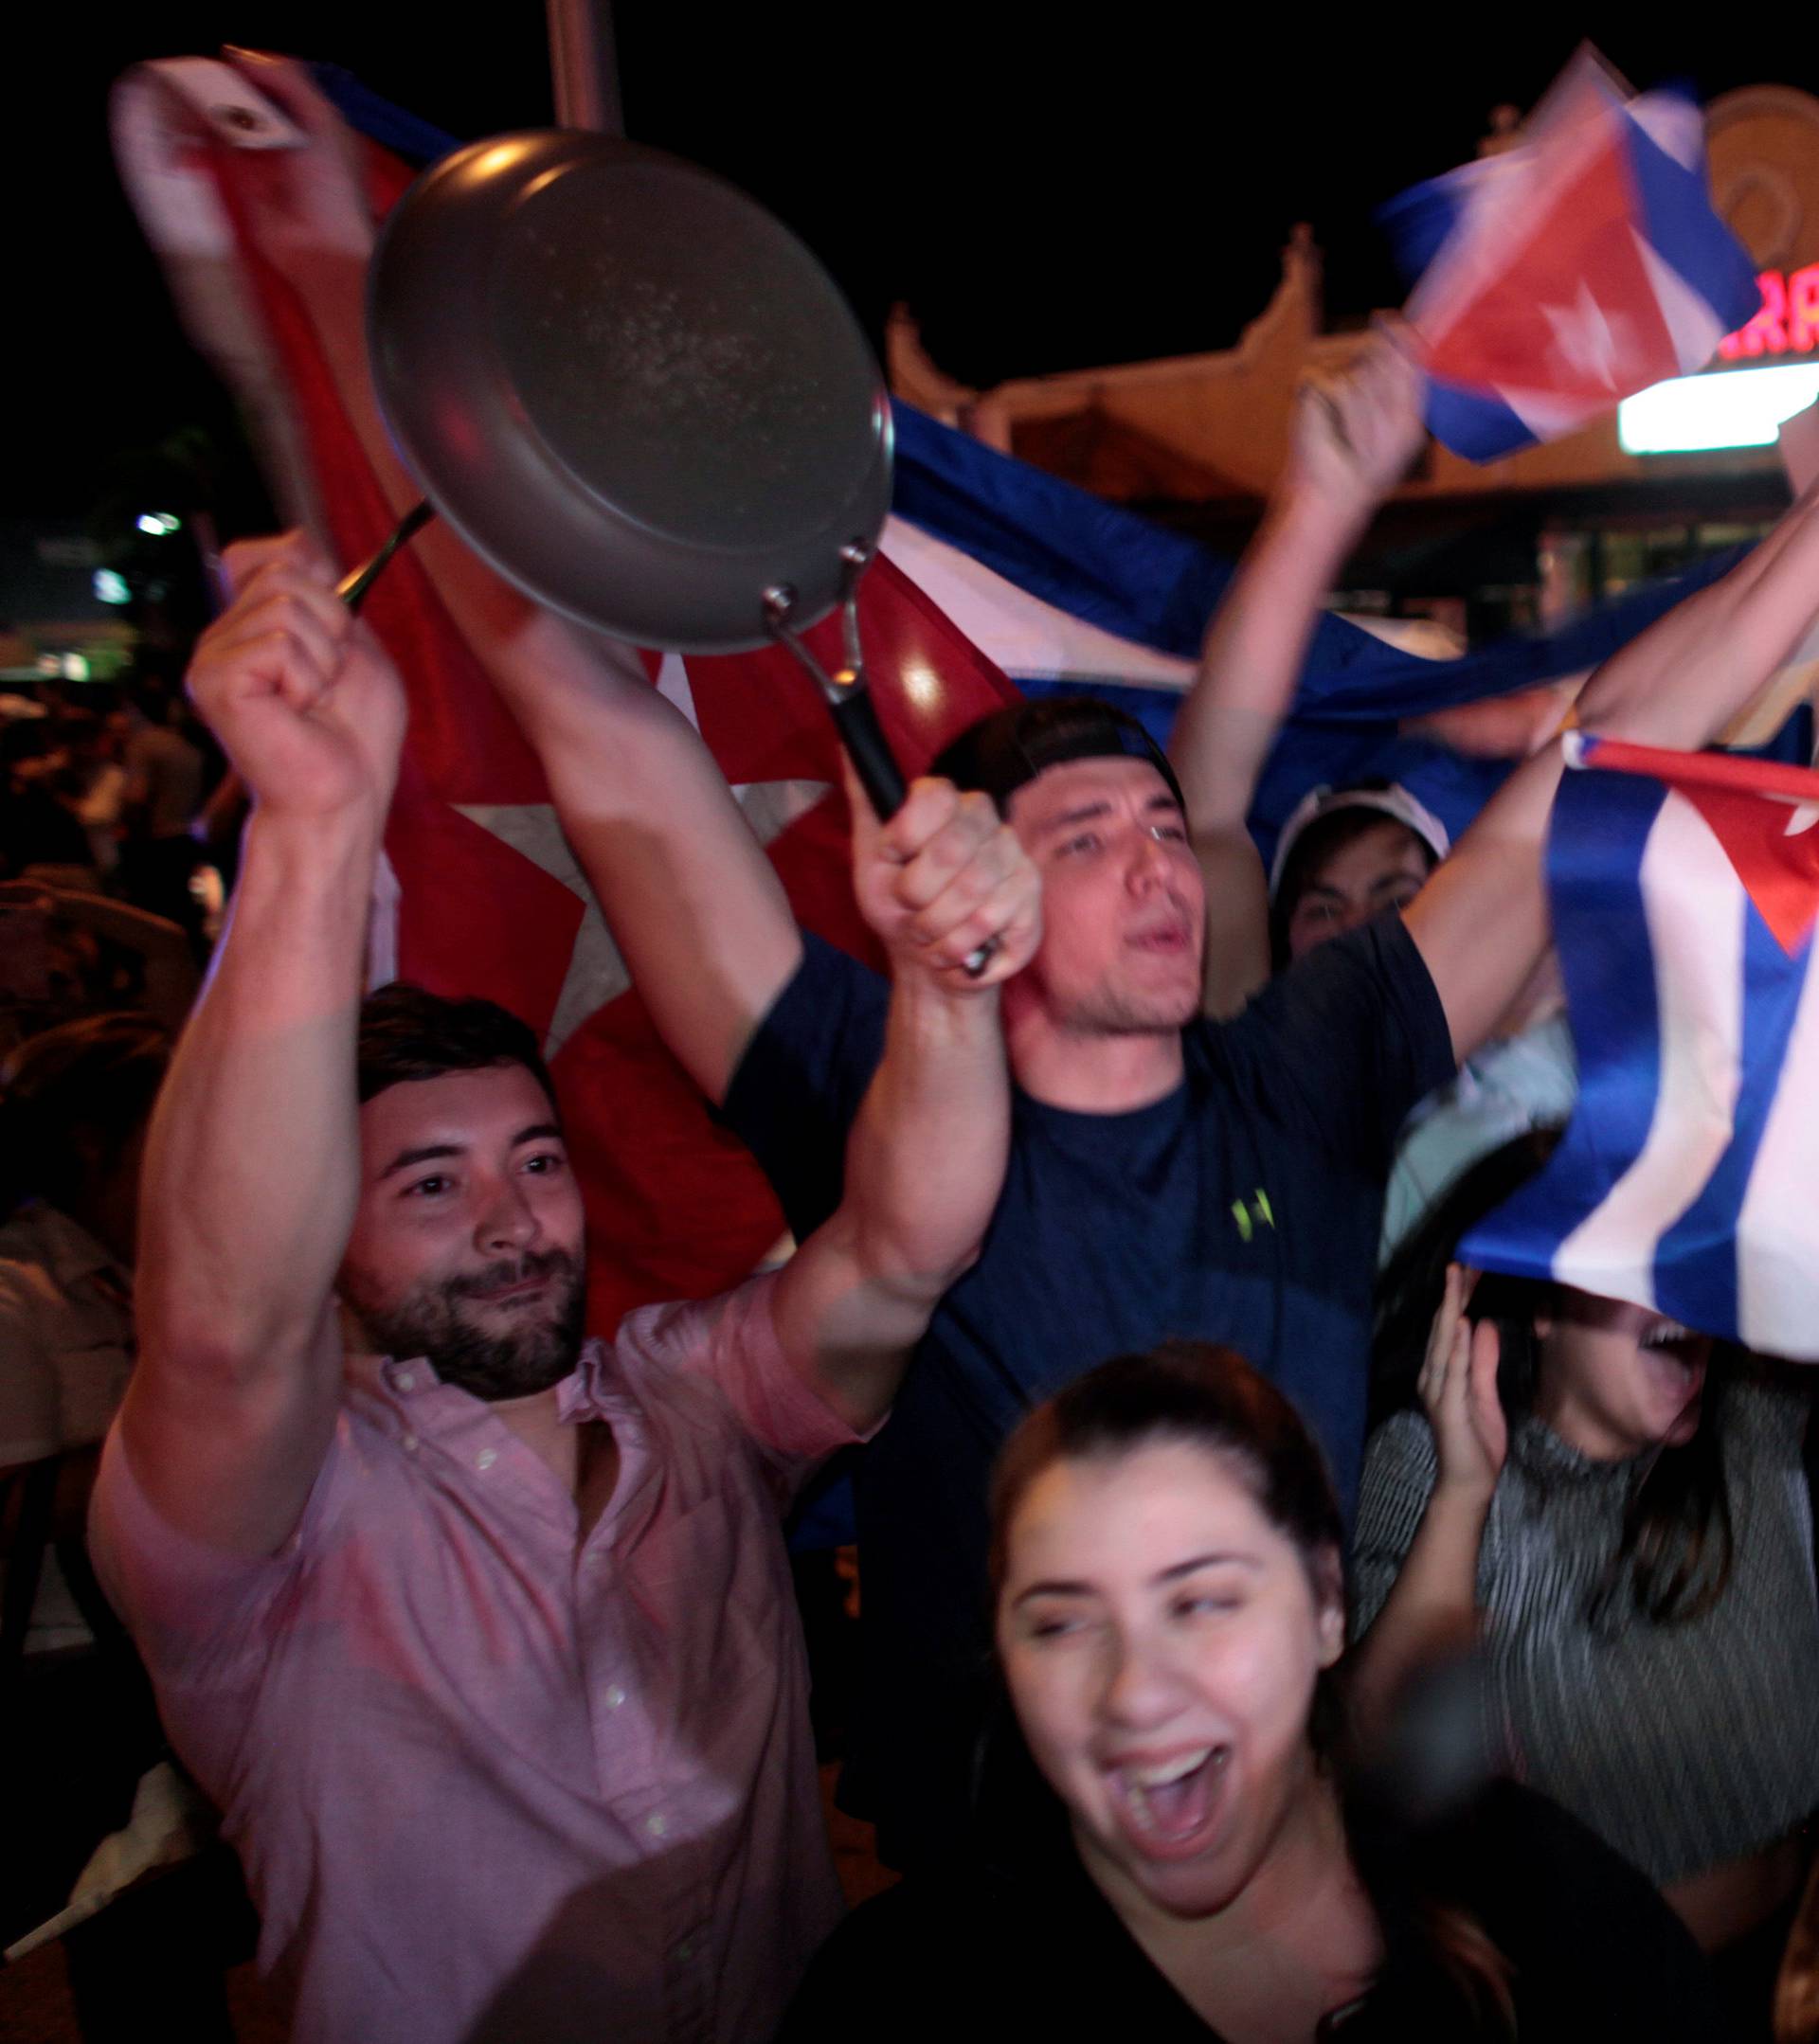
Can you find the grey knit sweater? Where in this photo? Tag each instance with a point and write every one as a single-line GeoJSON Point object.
{"type": "Point", "coordinates": [1682, 1744]}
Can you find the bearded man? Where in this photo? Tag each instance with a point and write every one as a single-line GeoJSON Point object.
{"type": "Point", "coordinates": [480, 1635]}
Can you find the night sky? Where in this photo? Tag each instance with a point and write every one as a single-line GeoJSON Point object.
{"type": "Point", "coordinates": [1047, 189]}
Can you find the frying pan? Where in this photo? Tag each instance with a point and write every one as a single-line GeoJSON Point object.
{"type": "Point", "coordinates": [640, 399]}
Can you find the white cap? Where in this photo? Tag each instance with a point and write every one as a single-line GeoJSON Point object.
{"type": "Point", "coordinates": [1395, 801]}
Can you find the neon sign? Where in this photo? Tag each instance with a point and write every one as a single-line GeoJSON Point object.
{"type": "Point", "coordinates": [1787, 323]}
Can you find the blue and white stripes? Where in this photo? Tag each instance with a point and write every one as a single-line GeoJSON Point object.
{"type": "Point", "coordinates": [1688, 1178]}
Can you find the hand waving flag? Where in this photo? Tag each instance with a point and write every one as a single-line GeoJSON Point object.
{"type": "Point", "coordinates": [1572, 271]}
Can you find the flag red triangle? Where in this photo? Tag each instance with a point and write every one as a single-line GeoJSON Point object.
{"type": "Point", "coordinates": [1773, 848]}
{"type": "Point", "coordinates": [1570, 311]}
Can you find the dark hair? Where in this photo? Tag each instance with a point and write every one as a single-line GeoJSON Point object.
{"type": "Point", "coordinates": [407, 1033]}
{"type": "Point", "coordinates": [1677, 1545]}
{"type": "Point", "coordinates": [95, 1078]}
{"type": "Point", "coordinates": [1410, 1285]}
{"type": "Point", "coordinates": [1005, 750]}
{"type": "Point", "coordinates": [1192, 1391]}
{"type": "Point", "coordinates": [1324, 840]}
{"type": "Point", "coordinates": [1209, 1397]}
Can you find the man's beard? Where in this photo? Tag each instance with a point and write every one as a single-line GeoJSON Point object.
{"type": "Point", "coordinates": [1109, 1013]}
{"type": "Point", "coordinates": [432, 1321]}
{"type": "Point", "coordinates": [1109, 1009]}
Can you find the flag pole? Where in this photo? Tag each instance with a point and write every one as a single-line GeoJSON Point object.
{"type": "Point", "coordinates": [583, 68]}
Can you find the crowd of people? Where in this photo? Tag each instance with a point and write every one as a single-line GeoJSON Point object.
{"type": "Point", "coordinates": [1267, 1634]}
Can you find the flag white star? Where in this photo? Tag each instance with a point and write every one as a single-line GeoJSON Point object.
{"type": "Point", "coordinates": [596, 972]}
{"type": "Point", "coordinates": [1591, 341]}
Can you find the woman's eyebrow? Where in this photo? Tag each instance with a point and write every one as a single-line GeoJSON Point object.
{"type": "Point", "coordinates": [1214, 1558]}
{"type": "Point", "coordinates": [1054, 1588]}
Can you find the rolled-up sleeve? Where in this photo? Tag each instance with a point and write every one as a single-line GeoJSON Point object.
{"type": "Point", "coordinates": [200, 1617]}
{"type": "Point", "coordinates": [731, 1343]}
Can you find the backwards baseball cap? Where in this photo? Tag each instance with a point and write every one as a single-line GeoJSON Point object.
{"type": "Point", "coordinates": [1389, 797]}
{"type": "Point", "coordinates": [1004, 751]}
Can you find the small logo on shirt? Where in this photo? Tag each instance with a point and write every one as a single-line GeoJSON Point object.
{"type": "Point", "coordinates": [1257, 1215]}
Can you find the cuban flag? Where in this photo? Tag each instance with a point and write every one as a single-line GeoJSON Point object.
{"type": "Point", "coordinates": [1684, 890]}
{"type": "Point", "coordinates": [1571, 271]}
{"type": "Point", "coordinates": [989, 568]}
{"type": "Point", "coordinates": [1065, 593]}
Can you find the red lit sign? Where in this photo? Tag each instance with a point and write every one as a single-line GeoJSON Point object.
{"type": "Point", "coordinates": [1788, 321]}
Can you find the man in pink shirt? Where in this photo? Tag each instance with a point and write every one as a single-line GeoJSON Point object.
{"type": "Point", "coordinates": [480, 1635]}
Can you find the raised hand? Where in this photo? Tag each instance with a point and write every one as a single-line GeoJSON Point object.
{"type": "Point", "coordinates": [303, 700]}
{"type": "Point", "coordinates": [943, 878]}
{"type": "Point", "coordinates": [1355, 435]}
{"type": "Point", "coordinates": [1458, 1385]}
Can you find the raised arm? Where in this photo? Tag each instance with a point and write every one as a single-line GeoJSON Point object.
{"type": "Point", "coordinates": [1352, 441]}
{"type": "Point", "coordinates": [693, 901]}
{"type": "Point", "coordinates": [1432, 1609]}
{"type": "Point", "coordinates": [926, 1158]}
{"type": "Point", "coordinates": [1480, 920]}
{"type": "Point", "coordinates": [251, 1171]}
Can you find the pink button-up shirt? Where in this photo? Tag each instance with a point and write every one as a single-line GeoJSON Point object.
{"type": "Point", "coordinates": [488, 1784]}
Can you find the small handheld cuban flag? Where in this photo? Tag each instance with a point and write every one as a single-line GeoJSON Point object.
{"type": "Point", "coordinates": [1572, 270]}
{"type": "Point", "coordinates": [1684, 887]}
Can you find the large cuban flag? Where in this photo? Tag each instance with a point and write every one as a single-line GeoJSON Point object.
{"type": "Point", "coordinates": [990, 568]}
{"type": "Point", "coordinates": [1058, 590]}
{"type": "Point", "coordinates": [1571, 271]}
{"type": "Point", "coordinates": [1066, 593]}
{"type": "Point", "coordinates": [1684, 890]}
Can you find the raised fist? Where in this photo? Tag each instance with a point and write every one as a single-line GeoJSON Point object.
{"type": "Point", "coordinates": [1354, 435]}
{"type": "Point", "coordinates": [304, 702]}
{"type": "Point", "coordinates": [943, 879]}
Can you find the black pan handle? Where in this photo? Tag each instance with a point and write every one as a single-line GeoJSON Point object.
{"type": "Point", "coordinates": [862, 735]}
{"type": "Point", "coordinates": [856, 721]}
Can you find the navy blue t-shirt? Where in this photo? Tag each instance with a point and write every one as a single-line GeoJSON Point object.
{"type": "Point", "coordinates": [1244, 1208]}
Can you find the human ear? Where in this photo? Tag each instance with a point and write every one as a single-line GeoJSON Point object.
{"type": "Point", "coordinates": [1332, 1635]}
{"type": "Point", "coordinates": [1329, 1596]}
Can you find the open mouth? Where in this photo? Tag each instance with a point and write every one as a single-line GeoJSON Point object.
{"type": "Point", "coordinates": [1168, 1807]}
{"type": "Point", "coordinates": [1675, 1356]}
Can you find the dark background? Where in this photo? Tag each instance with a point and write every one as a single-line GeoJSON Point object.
{"type": "Point", "coordinates": [1047, 189]}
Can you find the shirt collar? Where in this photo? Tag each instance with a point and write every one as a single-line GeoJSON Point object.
{"type": "Point", "coordinates": [591, 1390]}
{"type": "Point", "coordinates": [400, 1381]}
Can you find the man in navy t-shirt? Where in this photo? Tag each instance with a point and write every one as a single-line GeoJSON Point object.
{"type": "Point", "coordinates": [1167, 1176]}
